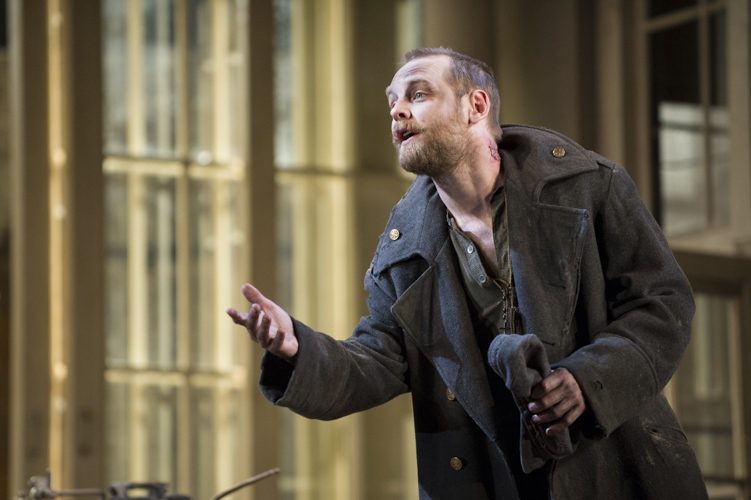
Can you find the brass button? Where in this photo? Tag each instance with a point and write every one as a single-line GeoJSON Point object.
{"type": "Point", "coordinates": [456, 463]}
{"type": "Point", "coordinates": [450, 395]}
{"type": "Point", "coordinates": [394, 234]}
{"type": "Point", "coordinates": [559, 152]}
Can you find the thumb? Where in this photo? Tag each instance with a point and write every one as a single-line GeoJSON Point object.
{"type": "Point", "coordinates": [253, 295]}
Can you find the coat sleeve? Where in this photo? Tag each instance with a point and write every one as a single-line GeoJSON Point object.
{"type": "Point", "coordinates": [333, 378]}
{"type": "Point", "coordinates": [650, 307]}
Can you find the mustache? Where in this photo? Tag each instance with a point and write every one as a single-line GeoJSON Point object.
{"type": "Point", "coordinates": [404, 126]}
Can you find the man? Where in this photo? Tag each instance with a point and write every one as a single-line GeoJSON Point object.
{"type": "Point", "coordinates": [515, 251]}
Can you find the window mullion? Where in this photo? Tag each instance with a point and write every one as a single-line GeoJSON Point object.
{"type": "Point", "coordinates": [705, 85]}
{"type": "Point", "coordinates": [181, 79]}
{"type": "Point", "coordinates": [136, 122]}
{"type": "Point", "coordinates": [185, 424]}
{"type": "Point", "coordinates": [137, 278]}
{"type": "Point", "coordinates": [220, 65]}
{"type": "Point", "coordinates": [137, 456]}
{"type": "Point", "coordinates": [164, 84]}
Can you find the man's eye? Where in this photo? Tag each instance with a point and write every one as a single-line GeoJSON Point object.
{"type": "Point", "coordinates": [419, 95]}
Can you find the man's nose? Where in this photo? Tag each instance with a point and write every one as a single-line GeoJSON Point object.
{"type": "Point", "coordinates": [400, 111]}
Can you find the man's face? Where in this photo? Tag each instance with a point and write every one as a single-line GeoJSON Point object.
{"type": "Point", "coordinates": [428, 127]}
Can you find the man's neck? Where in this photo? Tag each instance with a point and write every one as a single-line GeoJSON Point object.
{"type": "Point", "coordinates": [467, 190]}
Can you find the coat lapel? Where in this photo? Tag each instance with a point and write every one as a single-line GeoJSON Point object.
{"type": "Point", "coordinates": [546, 241]}
{"type": "Point", "coordinates": [434, 314]}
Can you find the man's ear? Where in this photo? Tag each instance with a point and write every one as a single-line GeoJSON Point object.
{"type": "Point", "coordinates": [479, 105]}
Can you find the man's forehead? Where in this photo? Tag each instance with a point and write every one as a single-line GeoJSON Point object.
{"type": "Point", "coordinates": [423, 68]}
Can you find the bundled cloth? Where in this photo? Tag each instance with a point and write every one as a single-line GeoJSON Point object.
{"type": "Point", "coordinates": [521, 361]}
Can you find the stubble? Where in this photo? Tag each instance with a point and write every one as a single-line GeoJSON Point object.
{"type": "Point", "coordinates": [437, 151]}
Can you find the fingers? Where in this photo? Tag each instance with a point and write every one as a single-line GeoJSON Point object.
{"type": "Point", "coordinates": [277, 342]}
{"type": "Point", "coordinates": [238, 317]}
{"type": "Point", "coordinates": [557, 400]}
{"type": "Point", "coordinates": [267, 324]}
{"type": "Point", "coordinates": [254, 329]}
{"type": "Point", "coordinates": [549, 383]}
{"type": "Point", "coordinates": [254, 296]}
{"type": "Point", "coordinates": [259, 331]}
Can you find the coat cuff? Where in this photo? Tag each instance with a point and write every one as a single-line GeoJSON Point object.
{"type": "Point", "coordinates": [612, 398]}
{"type": "Point", "coordinates": [276, 374]}
{"type": "Point", "coordinates": [284, 384]}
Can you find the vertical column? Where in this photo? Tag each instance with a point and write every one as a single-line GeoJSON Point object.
{"type": "Point", "coordinates": [4, 270]}
{"type": "Point", "coordinates": [83, 429]}
{"type": "Point", "coordinates": [29, 173]}
{"type": "Point", "coordinates": [184, 435]}
{"type": "Point", "coordinates": [743, 467]}
{"type": "Point", "coordinates": [375, 36]}
{"type": "Point", "coordinates": [610, 137]}
{"type": "Point", "coordinates": [739, 81]}
{"type": "Point", "coordinates": [261, 224]}
{"type": "Point", "coordinates": [639, 146]}
{"type": "Point", "coordinates": [469, 30]}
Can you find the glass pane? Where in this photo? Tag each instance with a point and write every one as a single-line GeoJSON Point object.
{"type": "Point", "coordinates": [216, 244]}
{"type": "Point", "coordinates": [674, 60]}
{"type": "Point", "coordinates": [409, 21]}
{"type": "Point", "coordinates": [683, 171]}
{"type": "Point", "coordinates": [117, 433]}
{"type": "Point", "coordinates": [116, 268]}
{"type": "Point", "coordinates": [678, 142]}
{"type": "Point", "coordinates": [203, 271]}
{"type": "Point", "coordinates": [140, 218]}
{"type": "Point", "coordinates": [159, 413]}
{"type": "Point", "coordinates": [142, 432]}
{"type": "Point", "coordinates": [238, 32]}
{"type": "Point", "coordinates": [659, 7]}
{"type": "Point", "coordinates": [718, 58]}
{"type": "Point", "coordinates": [200, 76]}
{"type": "Point", "coordinates": [161, 262]}
{"type": "Point", "coordinates": [707, 383]}
{"type": "Point", "coordinates": [202, 409]}
{"type": "Point", "coordinates": [159, 77]}
{"type": "Point", "coordinates": [285, 245]}
{"type": "Point", "coordinates": [719, 122]}
{"type": "Point", "coordinates": [287, 439]}
{"type": "Point", "coordinates": [217, 436]}
{"type": "Point", "coordinates": [115, 63]}
{"type": "Point", "coordinates": [284, 152]}
{"type": "Point", "coordinates": [720, 164]}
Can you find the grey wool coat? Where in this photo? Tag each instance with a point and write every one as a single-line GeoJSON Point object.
{"type": "Point", "coordinates": [596, 283]}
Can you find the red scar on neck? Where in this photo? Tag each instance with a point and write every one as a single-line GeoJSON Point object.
{"type": "Point", "coordinates": [493, 147]}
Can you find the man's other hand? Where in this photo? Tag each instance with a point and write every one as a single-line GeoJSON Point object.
{"type": "Point", "coordinates": [268, 324]}
{"type": "Point", "coordinates": [557, 400]}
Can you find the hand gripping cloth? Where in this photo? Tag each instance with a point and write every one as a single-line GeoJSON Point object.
{"type": "Point", "coordinates": [521, 361]}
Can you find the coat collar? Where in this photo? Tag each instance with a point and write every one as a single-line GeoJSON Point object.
{"type": "Point", "coordinates": [533, 157]}
{"type": "Point", "coordinates": [415, 228]}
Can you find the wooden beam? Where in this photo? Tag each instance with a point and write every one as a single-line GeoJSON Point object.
{"type": "Point", "coordinates": [29, 257]}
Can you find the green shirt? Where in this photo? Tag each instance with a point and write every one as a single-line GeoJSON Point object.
{"type": "Point", "coordinates": [493, 298]}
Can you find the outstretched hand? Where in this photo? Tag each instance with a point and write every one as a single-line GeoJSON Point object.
{"type": "Point", "coordinates": [268, 324]}
{"type": "Point", "coordinates": [557, 400]}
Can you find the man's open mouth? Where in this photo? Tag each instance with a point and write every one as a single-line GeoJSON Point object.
{"type": "Point", "coordinates": [403, 135]}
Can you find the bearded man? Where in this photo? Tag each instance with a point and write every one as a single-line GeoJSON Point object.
{"type": "Point", "coordinates": [525, 297]}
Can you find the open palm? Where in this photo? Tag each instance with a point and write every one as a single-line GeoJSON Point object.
{"type": "Point", "coordinates": [267, 324]}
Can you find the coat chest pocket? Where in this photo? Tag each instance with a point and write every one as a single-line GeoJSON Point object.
{"type": "Point", "coordinates": [546, 257]}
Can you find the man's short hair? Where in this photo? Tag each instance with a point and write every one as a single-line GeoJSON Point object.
{"type": "Point", "coordinates": [464, 75]}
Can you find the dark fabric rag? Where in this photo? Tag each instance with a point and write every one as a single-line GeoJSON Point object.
{"type": "Point", "coordinates": [521, 361]}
